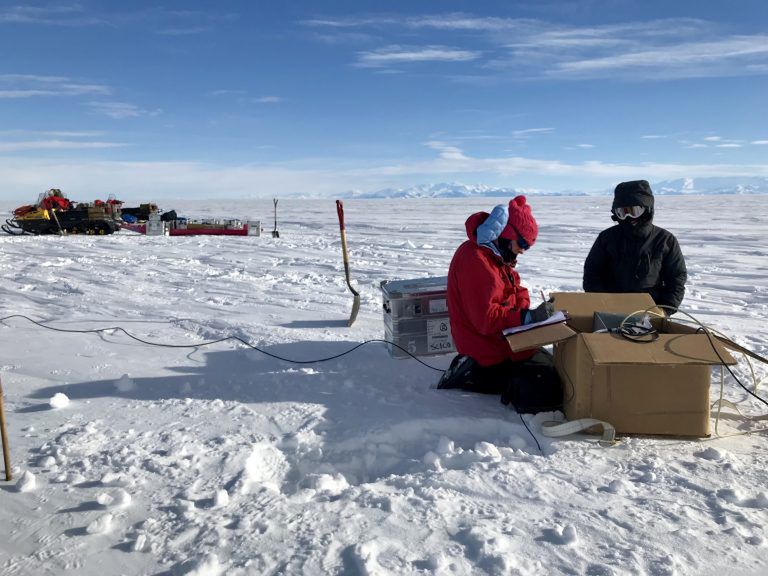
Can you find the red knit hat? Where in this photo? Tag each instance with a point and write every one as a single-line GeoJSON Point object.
{"type": "Point", "coordinates": [521, 221]}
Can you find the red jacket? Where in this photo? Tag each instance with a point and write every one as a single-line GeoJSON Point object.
{"type": "Point", "coordinates": [484, 297]}
{"type": "Point", "coordinates": [55, 202]}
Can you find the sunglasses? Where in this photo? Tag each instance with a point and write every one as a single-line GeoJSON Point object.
{"type": "Point", "coordinates": [629, 211]}
{"type": "Point", "coordinates": [522, 242]}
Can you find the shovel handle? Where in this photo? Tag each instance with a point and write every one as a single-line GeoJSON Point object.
{"type": "Point", "coordinates": [4, 432]}
{"type": "Point", "coordinates": [340, 212]}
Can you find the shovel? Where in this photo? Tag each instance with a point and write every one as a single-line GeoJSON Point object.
{"type": "Point", "coordinates": [275, 233]}
{"type": "Point", "coordinates": [356, 302]}
{"type": "Point", "coordinates": [6, 449]}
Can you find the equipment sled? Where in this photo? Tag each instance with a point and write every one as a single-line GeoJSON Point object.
{"type": "Point", "coordinates": [55, 214]}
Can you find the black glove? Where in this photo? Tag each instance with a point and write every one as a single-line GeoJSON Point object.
{"type": "Point", "coordinates": [540, 313]}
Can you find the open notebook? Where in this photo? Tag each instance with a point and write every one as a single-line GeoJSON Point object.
{"type": "Point", "coordinates": [556, 318]}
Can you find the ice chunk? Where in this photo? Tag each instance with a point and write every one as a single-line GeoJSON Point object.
{"type": "Point", "coordinates": [221, 498]}
{"type": "Point", "coordinates": [27, 482]}
{"type": "Point", "coordinates": [101, 525]}
{"type": "Point", "coordinates": [59, 400]}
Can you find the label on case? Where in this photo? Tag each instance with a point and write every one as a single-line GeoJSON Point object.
{"type": "Point", "coordinates": [439, 335]}
{"type": "Point", "coordinates": [437, 306]}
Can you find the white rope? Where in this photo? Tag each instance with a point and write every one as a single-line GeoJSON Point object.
{"type": "Point", "coordinates": [557, 429]}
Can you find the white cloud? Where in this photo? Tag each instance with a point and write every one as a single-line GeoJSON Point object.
{"type": "Point", "coordinates": [404, 55]}
{"type": "Point", "coordinates": [337, 38]}
{"type": "Point", "coordinates": [697, 145]}
{"type": "Point", "coordinates": [325, 177]}
{"type": "Point", "coordinates": [157, 180]}
{"type": "Point", "coordinates": [228, 93]}
{"type": "Point", "coordinates": [53, 133]}
{"type": "Point", "coordinates": [713, 138]}
{"type": "Point", "coordinates": [455, 21]}
{"type": "Point", "coordinates": [728, 145]}
{"type": "Point", "coordinates": [55, 145]}
{"type": "Point", "coordinates": [687, 59]}
{"type": "Point", "coordinates": [539, 33]}
{"type": "Point", "coordinates": [169, 22]}
{"type": "Point", "coordinates": [760, 142]}
{"type": "Point", "coordinates": [121, 110]}
{"type": "Point", "coordinates": [66, 134]}
{"type": "Point", "coordinates": [349, 22]}
{"type": "Point", "coordinates": [529, 131]}
{"type": "Point", "coordinates": [520, 48]}
{"type": "Point", "coordinates": [653, 136]}
{"type": "Point", "coordinates": [184, 31]}
{"type": "Point", "coordinates": [267, 100]}
{"type": "Point", "coordinates": [465, 22]}
{"type": "Point", "coordinates": [453, 162]}
{"type": "Point", "coordinates": [447, 151]}
{"type": "Point", "coordinates": [25, 93]}
{"type": "Point", "coordinates": [475, 135]}
{"type": "Point", "coordinates": [63, 15]}
{"type": "Point", "coordinates": [242, 97]}
{"type": "Point", "coordinates": [586, 146]}
{"type": "Point", "coordinates": [30, 85]}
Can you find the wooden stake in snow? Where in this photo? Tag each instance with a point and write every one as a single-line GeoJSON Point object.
{"type": "Point", "coordinates": [275, 233]}
{"type": "Point", "coordinates": [6, 449]}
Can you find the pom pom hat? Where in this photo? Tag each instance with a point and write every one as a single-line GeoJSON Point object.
{"type": "Point", "coordinates": [520, 222]}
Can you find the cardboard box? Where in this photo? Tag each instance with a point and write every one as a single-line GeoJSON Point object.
{"type": "Point", "coordinates": [581, 306]}
{"type": "Point", "coordinates": [658, 387]}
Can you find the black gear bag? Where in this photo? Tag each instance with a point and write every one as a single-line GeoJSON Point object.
{"type": "Point", "coordinates": [530, 386]}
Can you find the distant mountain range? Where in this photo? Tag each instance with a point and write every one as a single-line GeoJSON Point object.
{"type": "Point", "coordinates": [710, 185]}
{"type": "Point", "coordinates": [454, 190]}
{"type": "Point", "coordinates": [445, 190]}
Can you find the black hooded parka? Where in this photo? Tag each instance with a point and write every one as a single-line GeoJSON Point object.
{"type": "Point", "coordinates": [637, 256]}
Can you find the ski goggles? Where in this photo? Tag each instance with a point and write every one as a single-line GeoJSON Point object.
{"type": "Point", "coordinates": [623, 212]}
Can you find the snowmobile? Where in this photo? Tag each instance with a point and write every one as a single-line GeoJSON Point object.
{"type": "Point", "coordinates": [55, 214]}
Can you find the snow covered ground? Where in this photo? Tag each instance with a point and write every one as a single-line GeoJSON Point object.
{"type": "Point", "coordinates": [133, 459]}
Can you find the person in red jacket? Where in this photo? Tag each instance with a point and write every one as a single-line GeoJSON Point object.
{"type": "Point", "coordinates": [485, 297]}
{"type": "Point", "coordinates": [54, 199]}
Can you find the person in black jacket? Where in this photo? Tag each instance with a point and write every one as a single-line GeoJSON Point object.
{"type": "Point", "coordinates": [636, 256]}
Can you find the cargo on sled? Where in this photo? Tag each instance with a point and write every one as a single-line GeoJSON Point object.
{"type": "Point", "coordinates": [54, 213]}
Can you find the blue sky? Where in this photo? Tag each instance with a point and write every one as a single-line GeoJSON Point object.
{"type": "Point", "coordinates": [261, 98]}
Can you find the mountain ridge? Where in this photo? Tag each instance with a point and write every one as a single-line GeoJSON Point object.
{"type": "Point", "coordinates": [680, 186]}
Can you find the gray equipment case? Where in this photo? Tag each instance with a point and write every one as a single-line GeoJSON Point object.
{"type": "Point", "coordinates": [416, 316]}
